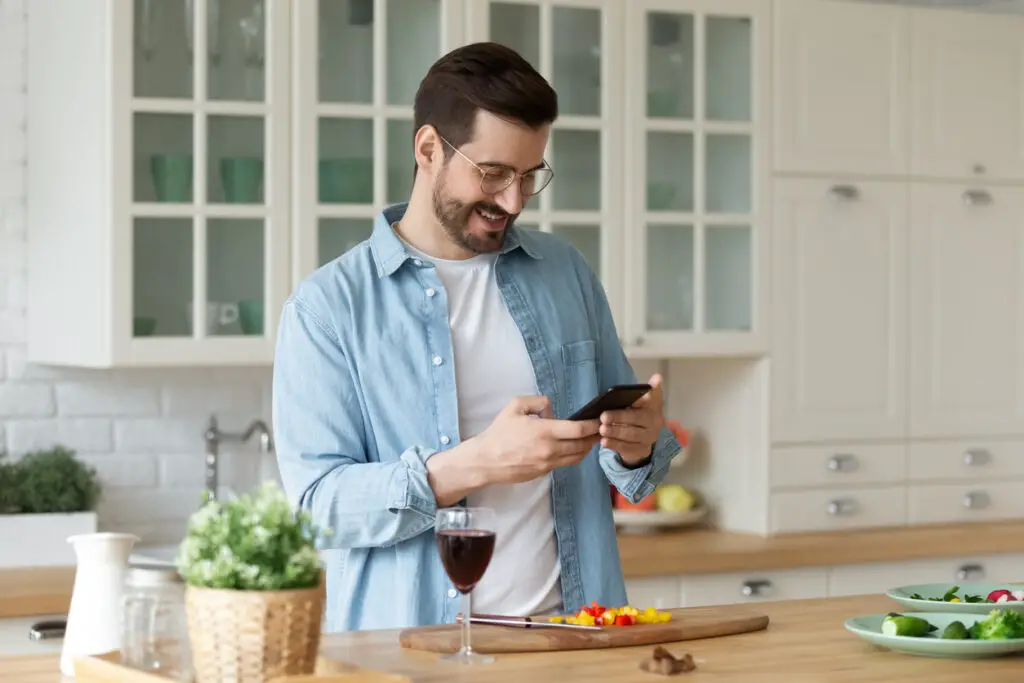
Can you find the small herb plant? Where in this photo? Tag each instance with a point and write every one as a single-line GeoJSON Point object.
{"type": "Point", "coordinates": [256, 542]}
{"type": "Point", "coordinates": [48, 481]}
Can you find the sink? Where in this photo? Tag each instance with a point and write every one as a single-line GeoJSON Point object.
{"type": "Point", "coordinates": [154, 554]}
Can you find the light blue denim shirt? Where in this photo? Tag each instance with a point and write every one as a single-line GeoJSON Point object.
{"type": "Point", "coordinates": [364, 393]}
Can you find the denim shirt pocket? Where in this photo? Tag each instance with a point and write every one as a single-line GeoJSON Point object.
{"type": "Point", "coordinates": [579, 362]}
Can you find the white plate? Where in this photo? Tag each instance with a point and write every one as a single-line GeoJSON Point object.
{"type": "Point", "coordinates": [643, 521]}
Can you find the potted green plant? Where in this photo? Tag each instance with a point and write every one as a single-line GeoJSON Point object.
{"type": "Point", "coordinates": [45, 497]}
{"type": "Point", "coordinates": [254, 592]}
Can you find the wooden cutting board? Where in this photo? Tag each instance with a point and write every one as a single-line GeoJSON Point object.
{"type": "Point", "coordinates": [686, 624]}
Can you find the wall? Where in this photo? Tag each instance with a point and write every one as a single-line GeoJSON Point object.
{"type": "Point", "coordinates": [142, 430]}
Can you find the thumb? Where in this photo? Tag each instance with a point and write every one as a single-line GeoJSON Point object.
{"type": "Point", "coordinates": [532, 405]}
{"type": "Point", "coordinates": [654, 395]}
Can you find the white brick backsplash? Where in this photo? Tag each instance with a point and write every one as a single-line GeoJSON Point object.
{"type": "Point", "coordinates": [13, 253]}
{"type": "Point", "coordinates": [12, 219]}
{"type": "Point", "coordinates": [122, 505]}
{"type": "Point", "coordinates": [184, 470]}
{"type": "Point", "coordinates": [137, 471]}
{"type": "Point", "coordinates": [16, 294]}
{"type": "Point", "coordinates": [81, 435]}
{"type": "Point", "coordinates": [213, 398]}
{"type": "Point", "coordinates": [26, 399]}
{"type": "Point", "coordinates": [19, 368]}
{"type": "Point", "coordinates": [104, 397]}
{"type": "Point", "coordinates": [159, 435]}
{"type": "Point", "coordinates": [12, 178]}
{"type": "Point", "coordinates": [13, 327]}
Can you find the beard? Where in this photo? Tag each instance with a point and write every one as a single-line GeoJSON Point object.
{"type": "Point", "coordinates": [455, 216]}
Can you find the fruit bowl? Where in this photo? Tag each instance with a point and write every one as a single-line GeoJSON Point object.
{"type": "Point", "coordinates": [649, 521]}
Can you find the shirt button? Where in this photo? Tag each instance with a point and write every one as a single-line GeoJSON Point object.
{"type": "Point", "coordinates": [430, 291]}
{"type": "Point", "coordinates": [452, 592]}
{"type": "Point", "coordinates": [444, 439]}
{"type": "Point", "coordinates": [417, 262]}
{"type": "Point", "coordinates": [437, 360]}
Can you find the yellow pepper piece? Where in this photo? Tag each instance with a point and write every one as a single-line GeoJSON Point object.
{"type": "Point", "coordinates": [955, 600]}
{"type": "Point", "coordinates": [556, 620]}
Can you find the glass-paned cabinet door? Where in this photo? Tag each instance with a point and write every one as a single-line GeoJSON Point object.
{"type": "Point", "coordinates": [577, 46]}
{"type": "Point", "coordinates": [696, 118]}
{"type": "Point", "coordinates": [204, 126]}
{"type": "Point", "coordinates": [358, 66]}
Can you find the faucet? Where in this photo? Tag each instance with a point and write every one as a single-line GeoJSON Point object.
{"type": "Point", "coordinates": [213, 436]}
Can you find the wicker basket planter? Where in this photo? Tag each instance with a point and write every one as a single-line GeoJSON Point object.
{"type": "Point", "coordinates": [250, 636]}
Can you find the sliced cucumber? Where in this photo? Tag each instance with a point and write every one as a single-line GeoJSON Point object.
{"type": "Point", "coordinates": [912, 627]}
{"type": "Point", "coordinates": [956, 631]}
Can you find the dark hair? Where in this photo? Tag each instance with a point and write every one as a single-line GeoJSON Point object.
{"type": "Point", "coordinates": [487, 76]}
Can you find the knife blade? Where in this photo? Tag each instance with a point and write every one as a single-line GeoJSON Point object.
{"type": "Point", "coordinates": [521, 622]}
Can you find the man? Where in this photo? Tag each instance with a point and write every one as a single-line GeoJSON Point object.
{"type": "Point", "coordinates": [435, 363]}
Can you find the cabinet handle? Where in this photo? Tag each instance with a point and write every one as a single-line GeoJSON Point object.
{"type": "Point", "coordinates": [976, 456]}
{"type": "Point", "coordinates": [843, 192]}
{"type": "Point", "coordinates": [842, 506]}
{"type": "Point", "coordinates": [977, 197]}
{"type": "Point", "coordinates": [964, 573]}
{"type": "Point", "coordinates": [639, 341]}
{"type": "Point", "coordinates": [756, 588]}
{"type": "Point", "coordinates": [843, 462]}
{"type": "Point", "coordinates": [976, 500]}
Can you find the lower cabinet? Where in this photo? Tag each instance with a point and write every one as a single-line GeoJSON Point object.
{"type": "Point", "coordinates": [695, 590]}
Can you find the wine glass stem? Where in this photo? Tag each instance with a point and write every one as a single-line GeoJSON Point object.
{"type": "Point", "coordinates": [466, 611]}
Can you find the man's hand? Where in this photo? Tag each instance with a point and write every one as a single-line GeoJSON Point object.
{"type": "Point", "coordinates": [632, 432]}
{"type": "Point", "coordinates": [522, 443]}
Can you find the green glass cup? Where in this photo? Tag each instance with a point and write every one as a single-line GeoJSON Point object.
{"type": "Point", "coordinates": [250, 316]}
{"type": "Point", "coordinates": [242, 179]}
{"type": "Point", "coordinates": [172, 177]}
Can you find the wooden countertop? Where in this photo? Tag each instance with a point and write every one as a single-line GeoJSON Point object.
{"type": "Point", "coordinates": [804, 643]}
{"type": "Point", "coordinates": [39, 590]}
{"type": "Point", "coordinates": [701, 551]}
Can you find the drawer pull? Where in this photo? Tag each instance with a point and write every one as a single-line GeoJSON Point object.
{"type": "Point", "coordinates": [977, 197]}
{"type": "Point", "coordinates": [965, 572]}
{"type": "Point", "coordinates": [976, 500]}
{"type": "Point", "coordinates": [843, 192]}
{"type": "Point", "coordinates": [842, 506]}
{"type": "Point", "coordinates": [976, 456]}
{"type": "Point", "coordinates": [842, 462]}
{"type": "Point", "coordinates": [756, 588]}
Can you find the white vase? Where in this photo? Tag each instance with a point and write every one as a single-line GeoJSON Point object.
{"type": "Point", "coordinates": [94, 620]}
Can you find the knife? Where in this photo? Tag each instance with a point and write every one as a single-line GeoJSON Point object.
{"type": "Point", "coordinates": [521, 622]}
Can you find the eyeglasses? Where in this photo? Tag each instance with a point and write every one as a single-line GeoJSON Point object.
{"type": "Point", "coordinates": [494, 179]}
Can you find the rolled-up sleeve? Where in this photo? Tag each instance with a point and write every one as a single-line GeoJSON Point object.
{"type": "Point", "coordinates": [321, 444]}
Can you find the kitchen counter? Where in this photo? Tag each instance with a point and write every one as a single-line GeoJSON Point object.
{"type": "Point", "coordinates": [804, 643]}
{"type": "Point", "coordinates": [701, 551]}
{"type": "Point", "coordinates": [47, 590]}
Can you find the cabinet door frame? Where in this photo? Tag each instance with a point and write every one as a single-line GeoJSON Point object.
{"type": "Point", "coordinates": [609, 123]}
{"type": "Point", "coordinates": [306, 109]}
{"type": "Point", "coordinates": [199, 349]}
{"type": "Point", "coordinates": [698, 342]}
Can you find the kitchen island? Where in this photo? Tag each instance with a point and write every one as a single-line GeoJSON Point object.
{"type": "Point", "coordinates": [805, 642]}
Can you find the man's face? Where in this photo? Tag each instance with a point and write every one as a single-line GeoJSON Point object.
{"type": "Point", "coordinates": [473, 219]}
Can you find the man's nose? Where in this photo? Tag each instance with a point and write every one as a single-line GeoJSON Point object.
{"type": "Point", "coordinates": [511, 199]}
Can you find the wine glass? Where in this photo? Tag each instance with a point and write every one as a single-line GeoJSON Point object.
{"type": "Point", "coordinates": [465, 540]}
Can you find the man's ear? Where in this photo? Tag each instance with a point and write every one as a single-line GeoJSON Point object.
{"type": "Point", "coordinates": [428, 148]}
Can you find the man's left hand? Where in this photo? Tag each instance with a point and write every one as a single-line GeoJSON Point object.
{"type": "Point", "coordinates": [632, 432]}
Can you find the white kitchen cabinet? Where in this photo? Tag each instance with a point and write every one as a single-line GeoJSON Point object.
{"type": "Point", "coordinates": [357, 65]}
{"type": "Point", "coordinates": [841, 82]}
{"type": "Point", "coordinates": [862, 579]}
{"type": "Point", "coordinates": [659, 592]}
{"type": "Point", "coordinates": [966, 94]}
{"type": "Point", "coordinates": [966, 310]}
{"type": "Point", "coordinates": [752, 587]}
{"type": "Point", "coordinates": [696, 164]}
{"type": "Point", "coordinates": [577, 45]}
{"type": "Point", "coordinates": [839, 332]}
{"type": "Point", "coordinates": [158, 184]}
{"type": "Point", "coordinates": [835, 466]}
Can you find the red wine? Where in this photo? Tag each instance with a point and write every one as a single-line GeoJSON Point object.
{"type": "Point", "coordinates": [465, 554]}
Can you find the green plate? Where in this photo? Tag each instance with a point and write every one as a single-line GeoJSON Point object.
{"type": "Point", "coordinates": [937, 590]}
{"type": "Point", "coordinates": [869, 627]}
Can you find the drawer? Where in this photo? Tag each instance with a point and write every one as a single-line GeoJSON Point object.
{"type": "Point", "coordinates": [863, 579]}
{"type": "Point", "coordinates": [960, 460]}
{"type": "Point", "coordinates": [728, 589]}
{"type": "Point", "coordinates": [837, 509]}
{"type": "Point", "coordinates": [838, 464]}
{"type": "Point", "coordinates": [978, 501]}
{"type": "Point", "coordinates": [659, 592]}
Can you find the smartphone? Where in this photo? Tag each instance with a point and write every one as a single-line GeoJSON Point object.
{"type": "Point", "coordinates": [616, 398]}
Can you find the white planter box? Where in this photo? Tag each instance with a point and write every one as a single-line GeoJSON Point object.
{"type": "Point", "coordinates": [41, 540]}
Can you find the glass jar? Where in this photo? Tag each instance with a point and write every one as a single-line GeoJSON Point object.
{"type": "Point", "coordinates": [155, 626]}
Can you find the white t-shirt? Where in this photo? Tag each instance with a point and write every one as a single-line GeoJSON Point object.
{"type": "Point", "coordinates": [492, 367]}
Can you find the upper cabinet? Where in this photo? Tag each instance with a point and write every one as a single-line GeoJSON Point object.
{"type": "Point", "coordinates": [696, 160]}
{"type": "Point", "coordinates": [842, 74]}
{"type": "Point", "coordinates": [355, 70]}
{"type": "Point", "coordinates": [577, 46]}
{"type": "Point", "coordinates": [159, 183]}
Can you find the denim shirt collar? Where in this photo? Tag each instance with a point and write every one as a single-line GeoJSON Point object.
{"type": "Point", "coordinates": [389, 253]}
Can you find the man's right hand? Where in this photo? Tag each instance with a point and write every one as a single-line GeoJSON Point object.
{"type": "Point", "coordinates": [525, 441]}
{"type": "Point", "coordinates": [522, 443]}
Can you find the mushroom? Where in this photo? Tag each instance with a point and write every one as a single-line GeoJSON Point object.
{"type": "Point", "coordinates": [665, 663]}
